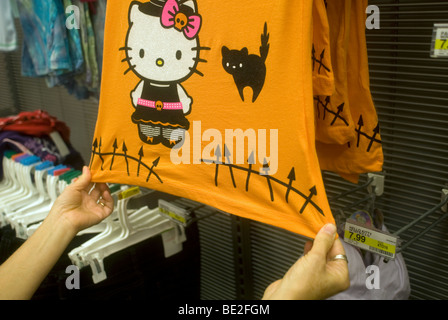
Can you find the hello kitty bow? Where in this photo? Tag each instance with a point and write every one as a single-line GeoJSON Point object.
{"type": "Point", "coordinates": [172, 17]}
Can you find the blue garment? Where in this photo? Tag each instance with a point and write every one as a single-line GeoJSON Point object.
{"type": "Point", "coordinates": [74, 41]}
{"type": "Point", "coordinates": [45, 47]}
{"type": "Point", "coordinates": [64, 56]}
{"type": "Point", "coordinates": [50, 49]}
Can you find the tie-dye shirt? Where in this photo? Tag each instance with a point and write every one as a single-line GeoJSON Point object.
{"type": "Point", "coordinates": [45, 43]}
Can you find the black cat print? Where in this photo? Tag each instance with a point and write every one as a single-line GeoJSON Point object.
{"type": "Point", "coordinates": [248, 70]}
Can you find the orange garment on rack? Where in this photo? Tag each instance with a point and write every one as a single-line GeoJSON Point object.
{"type": "Point", "coordinates": [333, 119]}
{"type": "Point", "coordinates": [212, 101]}
{"type": "Point", "coordinates": [363, 154]}
{"type": "Point", "coordinates": [323, 78]}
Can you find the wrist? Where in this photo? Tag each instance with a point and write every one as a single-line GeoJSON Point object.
{"type": "Point", "coordinates": [58, 222]}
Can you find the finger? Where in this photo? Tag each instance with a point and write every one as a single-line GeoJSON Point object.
{"type": "Point", "coordinates": [338, 275]}
{"type": "Point", "coordinates": [84, 180]}
{"type": "Point", "coordinates": [336, 249]}
{"type": "Point", "coordinates": [102, 187]}
{"type": "Point", "coordinates": [324, 240]}
{"type": "Point", "coordinates": [107, 196]}
{"type": "Point", "coordinates": [109, 205]}
{"type": "Point", "coordinates": [104, 209]}
{"type": "Point", "coordinates": [104, 193]}
{"type": "Point", "coordinates": [95, 192]}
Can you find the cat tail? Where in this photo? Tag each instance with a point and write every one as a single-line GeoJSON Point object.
{"type": "Point", "coordinates": [264, 48]}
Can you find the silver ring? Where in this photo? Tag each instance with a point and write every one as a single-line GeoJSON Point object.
{"type": "Point", "coordinates": [340, 257]}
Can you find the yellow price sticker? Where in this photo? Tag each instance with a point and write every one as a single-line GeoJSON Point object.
{"type": "Point", "coordinates": [173, 215]}
{"type": "Point", "coordinates": [370, 239]}
{"type": "Point", "coordinates": [372, 243]}
{"type": "Point", "coordinates": [441, 44]}
{"type": "Point", "coordinates": [128, 193]}
{"type": "Point", "coordinates": [177, 214]}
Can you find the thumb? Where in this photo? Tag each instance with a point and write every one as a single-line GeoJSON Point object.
{"type": "Point", "coordinates": [324, 239]}
{"type": "Point", "coordinates": [84, 180]}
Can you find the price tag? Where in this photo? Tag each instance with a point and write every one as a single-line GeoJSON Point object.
{"type": "Point", "coordinates": [177, 214]}
{"type": "Point", "coordinates": [439, 44]}
{"type": "Point", "coordinates": [59, 143]}
{"type": "Point", "coordinates": [370, 239]}
{"type": "Point", "coordinates": [128, 193]}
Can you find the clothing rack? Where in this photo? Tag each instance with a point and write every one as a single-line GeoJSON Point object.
{"type": "Point", "coordinates": [370, 197]}
{"type": "Point", "coordinates": [421, 218]}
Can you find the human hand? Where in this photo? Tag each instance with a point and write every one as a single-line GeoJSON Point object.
{"type": "Point", "coordinates": [315, 275]}
{"type": "Point", "coordinates": [80, 208]}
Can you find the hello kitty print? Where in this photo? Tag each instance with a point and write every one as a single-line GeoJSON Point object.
{"type": "Point", "coordinates": [162, 49]}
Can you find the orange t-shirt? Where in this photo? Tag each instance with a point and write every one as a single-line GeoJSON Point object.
{"type": "Point", "coordinates": [364, 153]}
{"type": "Point", "coordinates": [212, 101]}
{"type": "Point", "coordinates": [323, 78]}
{"type": "Point", "coordinates": [333, 119]}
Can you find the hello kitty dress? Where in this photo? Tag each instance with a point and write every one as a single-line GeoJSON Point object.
{"type": "Point", "coordinates": [161, 50]}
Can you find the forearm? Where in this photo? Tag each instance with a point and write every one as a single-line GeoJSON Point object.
{"type": "Point", "coordinates": [23, 272]}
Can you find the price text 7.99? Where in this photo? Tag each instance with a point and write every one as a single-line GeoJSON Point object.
{"type": "Point", "coordinates": [357, 237]}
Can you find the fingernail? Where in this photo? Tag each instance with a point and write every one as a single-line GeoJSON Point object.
{"type": "Point", "coordinates": [330, 229]}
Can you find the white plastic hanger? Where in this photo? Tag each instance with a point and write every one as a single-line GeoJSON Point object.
{"type": "Point", "coordinates": [9, 172]}
{"type": "Point", "coordinates": [111, 233]}
{"type": "Point", "coordinates": [38, 210]}
{"type": "Point", "coordinates": [17, 185]}
{"type": "Point", "coordinates": [56, 183]}
{"type": "Point", "coordinates": [27, 191]}
{"type": "Point", "coordinates": [26, 171]}
{"type": "Point", "coordinates": [127, 231]}
{"type": "Point", "coordinates": [40, 174]}
{"type": "Point", "coordinates": [7, 181]}
{"type": "Point", "coordinates": [22, 221]}
{"type": "Point", "coordinates": [75, 255]}
{"type": "Point", "coordinates": [155, 226]}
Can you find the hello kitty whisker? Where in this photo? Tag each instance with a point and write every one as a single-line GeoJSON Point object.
{"type": "Point", "coordinates": [200, 48]}
{"type": "Point", "coordinates": [197, 71]}
{"type": "Point", "coordinates": [125, 48]}
{"type": "Point", "coordinates": [127, 59]}
{"type": "Point", "coordinates": [199, 60]}
{"type": "Point", "coordinates": [130, 68]}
